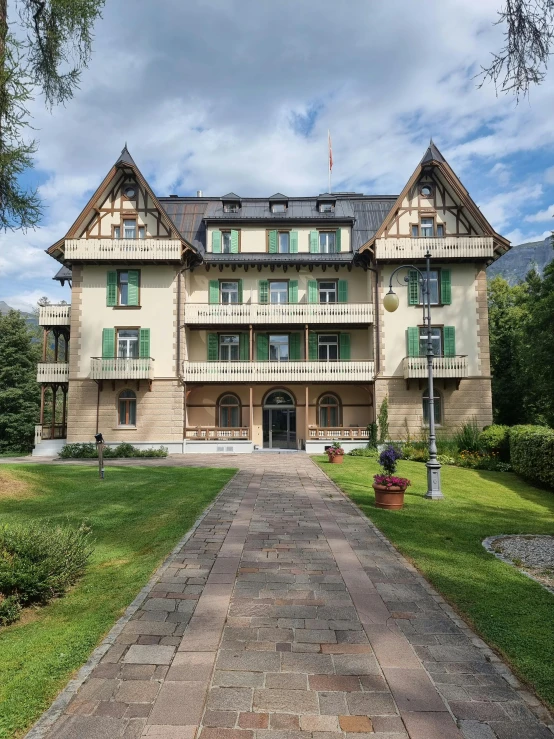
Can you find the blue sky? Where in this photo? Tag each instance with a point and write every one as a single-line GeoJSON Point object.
{"type": "Point", "coordinates": [223, 95]}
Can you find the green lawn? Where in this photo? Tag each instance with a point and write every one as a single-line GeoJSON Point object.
{"type": "Point", "coordinates": [137, 516]}
{"type": "Point", "coordinates": [443, 539]}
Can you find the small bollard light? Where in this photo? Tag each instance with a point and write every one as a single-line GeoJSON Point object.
{"type": "Point", "coordinates": [100, 447]}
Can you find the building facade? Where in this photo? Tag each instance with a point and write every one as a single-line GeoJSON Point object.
{"type": "Point", "coordinates": [230, 324]}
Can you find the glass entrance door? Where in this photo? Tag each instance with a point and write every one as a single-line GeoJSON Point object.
{"type": "Point", "coordinates": [279, 428]}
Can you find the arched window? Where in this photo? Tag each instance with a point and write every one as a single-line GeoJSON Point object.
{"type": "Point", "coordinates": [229, 411]}
{"type": "Point", "coordinates": [127, 408]}
{"type": "Point", "coordinates": [278, 398]}
{"type": "Point", "coordinates": [437, 400]}
{"type": "Point", "coordinates": [329, 411]}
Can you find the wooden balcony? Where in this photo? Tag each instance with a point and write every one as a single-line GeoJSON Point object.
{"type": "Point", "coordinates": [123, 250]}
{"type": "Point", "coordinates": [119, 368]}
{"type": "Point", "coordinates": [447, 247]}
{"type": "Point", "coordinates": [225, 372]}
{"type": "Point", "coordinates": [334, 434]}
{"type": "Point", "coordinates": [54, 372]}
{"type": "Point", "coordinates": [216, 434]}
{"type": "Point", "coordinates": [54, 315]}
{"type": "Point", "coordinates": [289, 313]}
{"type": "Point", "coordinates": [443, 367]}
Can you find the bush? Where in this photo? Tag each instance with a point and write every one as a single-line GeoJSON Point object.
{"type": "Point", "coordinates": [532, 453]}
{"type": "Point", "coordinates": [496, 439]}
{"type": "Point", "coordinates": [88, 451]}
{"type": "Point", "coordinates": [372, 453]}
{"type": "Point", "coordinates": [467, 437]}
{"type": "Point", "coordinates": [416, 452]}
{"type": "Point", "coordinates": [372, 436]}
{"type": "Point", "coordinates": [39, 562]}
{"type": "Point", "coordinates": [445, 459]}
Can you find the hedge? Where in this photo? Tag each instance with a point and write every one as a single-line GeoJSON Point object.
{"type": "Point", "coordinates": [89, 451]}
{"type": "Point", "coordinates": [495, 439]}
{"type": "Point", "coordinates": [532, 453]}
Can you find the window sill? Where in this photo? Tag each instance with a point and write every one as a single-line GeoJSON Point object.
{"type": "Point", "coordinates": [126, 307]}
{"type": "Point", "coordinates": [124, 428]}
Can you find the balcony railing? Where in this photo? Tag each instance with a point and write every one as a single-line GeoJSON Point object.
{"type": "Point", "coordinates": [164, 250]}
{"type": "Point", "coordinates": [326, 434]}
{"type": "Point", "coordinates": [53, 372]}
{"type": "Point", "coordinates": [54, 315]}
{"type": "Point", "coordinates": [288, 313]}
{"type": "Point", "coordinates": [447, 247]}
{"type": "Point", "coordinates": [416, 367]}
{"type": "Point", "coordinates": [278, 371]}
{"type": "Point", "coordinates": [119, 368]}
{"type": "Point", "coordinates": [215, 434]}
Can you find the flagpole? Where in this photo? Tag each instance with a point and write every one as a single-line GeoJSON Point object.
{"type": "Point", "coordinates": [329, 157]}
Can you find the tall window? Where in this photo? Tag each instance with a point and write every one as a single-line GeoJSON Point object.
{"type": "Point", "coordinates": [128, 343]}
{"type": "Point", "coordinates": [229, 411]}
{"type": "Point", "coordinates": [437, 402]}
{"type": "Point", "coordinates": [229, 347]}
{"type": "Point", "coordinates": [129, 229]}
{"type": "Point", "coordinates": [284, 242]}
{"type": "Point", "coordinates": [229, 292]}
{"type": "Point", "coordinates": [427, 227]}
{"type": "Point", "coordinates": [434, 287]}
{"type": "Point", "coordinates": [327, 242]}
{"type": "Point", "coordinates": [328, 347]}
{"type": "Point", "coordinates": [327, 291]}
{"type": "Point", "coordinates": [127, 410]}
{"type": "Point", "coordinates": [329, 415]}
{"type": "Point", "coordinates": [123, 280]}
{"type": "Point", "coordinates": [226, 242]}
{"type": "Point", "coordinates": [278, 292]}
{"type": "Point", "coordinates": [279, 348]}
{"type": "Point", "coordinates": [436, 337]}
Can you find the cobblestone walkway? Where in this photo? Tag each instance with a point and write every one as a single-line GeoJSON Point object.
{"type": "Point", "coordinates": [286, 615]}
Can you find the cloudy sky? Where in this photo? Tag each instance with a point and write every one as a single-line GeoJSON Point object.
{"type": "Point", "coordinates": [238, 95]}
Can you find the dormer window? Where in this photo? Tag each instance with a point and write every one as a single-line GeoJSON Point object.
{"type": "Point", "coordinates": [326, 207]}
{"type": "Point", "coordinates": [231, 207]}
{"type": "Point", "coordinates": [279, 208]}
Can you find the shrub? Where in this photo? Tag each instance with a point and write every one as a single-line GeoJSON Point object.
{"type": "Point", "coordinates": [89, 451]}
{"type": "Point", "coordinates": [372, 436]}
{"type": "Point", "coordinates": [416, 452]}
{"type": "Point", "coordinates": [532, 453]}
{"type": "Point", "coordinates": [39, 562]}
{"type": "Point", "coordinates": [445, 459]}
{"type": "Point", "coordinates": [467, 437]}
{"type": "Point", "coordinates": [372, 453]}
{"type": "Point", "coordinates": [78, 451]}
{"type": "Point", "coordinates": [384, 421]}
{"type": "Point", "coordinates": [496, 439]}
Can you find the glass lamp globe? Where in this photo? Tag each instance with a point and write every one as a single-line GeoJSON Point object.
{"type": "Point", "coordinates": [390, 301]}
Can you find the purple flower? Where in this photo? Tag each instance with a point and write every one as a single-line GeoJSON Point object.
{"type": "Point", "coordinates": [388, 459]}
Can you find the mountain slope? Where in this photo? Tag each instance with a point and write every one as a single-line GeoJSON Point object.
{"type": "Point", "coordinates": [514, 265]}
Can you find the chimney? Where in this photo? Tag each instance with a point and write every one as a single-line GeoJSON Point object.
{"type": "Point", "coordinates": [173, 196]}
{"type": "Point", "coordinates": [199, 193]}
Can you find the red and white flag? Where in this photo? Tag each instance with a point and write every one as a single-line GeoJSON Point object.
{"type": "Point", "coordinates": [330, 152]}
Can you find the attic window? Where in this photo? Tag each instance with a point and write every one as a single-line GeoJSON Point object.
{"type": "Point", "coordinates": [326, 207]}
{"type": "Point", "coordinates": [231, 207]}
{"type": "Point", "coordinates": [130, 191]}
{"type": "Point", "coordinates": [279, 208]}
{"type": "Point", "coordinates": [426, 191]}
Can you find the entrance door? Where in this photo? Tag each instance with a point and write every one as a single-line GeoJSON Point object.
{"type": "Point", "coordinates": [279, 421]}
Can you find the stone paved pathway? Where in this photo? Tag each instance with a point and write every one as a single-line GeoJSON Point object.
{"type": "Point", "coordinates": [288, 616]}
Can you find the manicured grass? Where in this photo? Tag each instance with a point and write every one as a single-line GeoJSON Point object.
{"type": "Point", "coordinates": [137, 516]}
{"type": "Point", "coordinates": [443, 539]}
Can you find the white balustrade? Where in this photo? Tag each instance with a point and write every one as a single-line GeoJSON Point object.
{"type": "Point", "coordinates": [338, 433]}
{"type": "Point", "coordinates": [53, 372]}
{"type": "Point", "coordinates": [213, 434]}
{"type": "Point", "coordinates": [120, 368]}
{"type": "Point", "coordinates": [443, 367]}
{"type": "Point", "coordinates": [123, 249]}
{"type": "Point", "coordinates": [447, 247]}
{"type": "Point", "coordinates": [256, 313]}
{"type": "Point", "coordinates": [278, 371]}
{"type": "Point", "coordinates": [54, 315]}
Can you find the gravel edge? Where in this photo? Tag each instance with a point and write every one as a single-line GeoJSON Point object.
{"type": "Point", "coordinates": [489, 542]}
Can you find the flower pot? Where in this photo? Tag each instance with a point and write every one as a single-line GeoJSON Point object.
{"type": "Point", "coordinates": [390, 497]}
{"type": "Point", "coordinates": [337, 459]}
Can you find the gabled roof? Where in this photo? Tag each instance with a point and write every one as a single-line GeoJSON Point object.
{"type": "Point", "coordinates": [278, 196]}
{"type": "Point", "coordinates": [63, 275]}
{"type": "Point", "coordinates": [432, 154]}
{"type": "Point", "coordinates": [231, 197]}
{"type": "Point", "coordinates": [125, 157]}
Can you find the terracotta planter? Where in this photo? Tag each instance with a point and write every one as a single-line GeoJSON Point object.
{"type": "Point", "coordinates": [389, 497]}
{"type": "Point", "coordinates": [337, 459]}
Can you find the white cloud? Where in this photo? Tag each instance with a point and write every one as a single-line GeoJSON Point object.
{"type": "Point", "coordinates": [501, 208]}
{"type": "Point", "coordinates": [517, 236]}
{"type": "Point", "coordinates": [541, 216]}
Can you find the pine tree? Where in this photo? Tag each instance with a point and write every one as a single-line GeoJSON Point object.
{"type": "Point", "coordinates": [19, 391]}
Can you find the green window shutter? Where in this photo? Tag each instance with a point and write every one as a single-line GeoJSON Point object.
{"type": "Point", "coordinates": [294, 347]}
{"type": "Point", "coordinates": [293, 242]}
{"type": "Point", "coordinates": [111, 289]}
{"type": "Point", "coordinates": [214, 292]}
{"type": "Point", "coordinates": [216, 242]}
{"type": "Point", "coordinates": [337, 240]}
{"type": "Point", "coordinates": [413, 287]}
{"type": "Point", "coordinates": [293, 291]}
{"type": "Point", "coordinates": [108, 343]}
{"type": "Point", "coordinates": [312, 346]}
{"type": "Point", "coordinates": [240, 290]}
{"type": "Point", "coordinates": [449, 339]}
{"type": "Point", "coordinates": [344, 346]}
{"type": "Point", "coordinates": [244, 347]}
{"type": "Point", "coordinates": [314, 242]}
{"type": "Point", "coordinates": [262, 347]}
{"type": "Point", "coordinates": [144, 342]}
{"type": "Point", "coordinates": [213, 347]}
{"type": "Point", "coordinates": [263, 291]}
{"type": "Point", "coordinates": [272, 242]}
{"type": "Point", "coordinates": [312, 291]}
{"type": "Point", "coordinates": [234, 242]}
{"type": "Point", "coordinates": [446, 287]}
{"type": "Point", "coordinates": [343, 291]}
{"type": "Point", "coordinates": [133, 290]}
{"type": "Point", "coordinates": [413, 341]}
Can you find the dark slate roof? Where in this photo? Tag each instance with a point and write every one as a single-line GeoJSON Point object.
{"type": "Point", "coordinates": [188, 217]}
{"type": "Point", "coordinates": [230, 197]}
{"type": "Point", "coordinates": [125, 157]}
{"type": "Point", "coordinates": [278, 196]}
{"type": "Point", "coordinates": [369, 214]}
{"type": "Point", "coordinates": [298, 209]}
{"type": "Point", "coordinates": [432, 154]}
{"type": "Point", "coordinates": [62, 274]}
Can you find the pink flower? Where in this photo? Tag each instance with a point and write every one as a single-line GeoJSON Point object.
{"type": "Point", "coordinates": [390, 481]}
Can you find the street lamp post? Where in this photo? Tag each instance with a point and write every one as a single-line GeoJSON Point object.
{"type": "Point", "coordinates": [390, 303]}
